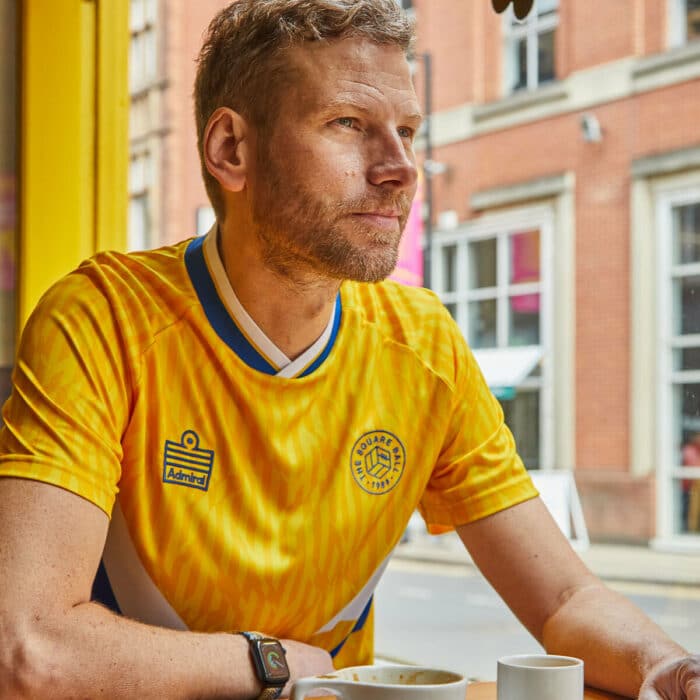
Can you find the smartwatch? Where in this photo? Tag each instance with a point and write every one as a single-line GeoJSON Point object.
{"type": "Point", "coordinates": [270, 664]}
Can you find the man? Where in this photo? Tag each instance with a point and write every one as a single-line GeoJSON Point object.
{"type": "Point", "coordinates": [239, 427]}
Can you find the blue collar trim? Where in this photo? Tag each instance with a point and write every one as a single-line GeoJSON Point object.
{"type": "Point", "coordinates": [224, 325]}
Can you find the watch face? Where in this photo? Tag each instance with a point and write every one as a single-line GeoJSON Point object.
{"type": "Point", "coordinates": [273, 661]}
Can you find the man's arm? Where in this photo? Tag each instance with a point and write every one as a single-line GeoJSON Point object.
{"type": "Point", "coordinates": [526, 558]}
{"type": "Point", "coordinates": [55, 643]}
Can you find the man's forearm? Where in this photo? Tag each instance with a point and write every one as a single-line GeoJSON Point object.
{"type": "Point", "coordinates": [90, 652]}
{"type": "Point", "coordinates": [618, 643]}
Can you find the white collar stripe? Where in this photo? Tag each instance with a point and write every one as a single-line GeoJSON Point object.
{"type": "Point", "coordinates": [250, 330]}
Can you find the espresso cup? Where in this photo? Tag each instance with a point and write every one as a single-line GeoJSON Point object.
{"type": "Point", "coordinates": [539, 677]}
{"type": "Point", "coordinates": [385, 683]}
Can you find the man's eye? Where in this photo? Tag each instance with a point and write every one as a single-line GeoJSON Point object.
{"type": "Point", "coordinates": [346, 121]}
{"type": "Point", "coordinates": [405, 132]}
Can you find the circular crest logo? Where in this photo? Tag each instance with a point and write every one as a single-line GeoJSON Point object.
{"type": "Point", "coordinates": [377, 461]}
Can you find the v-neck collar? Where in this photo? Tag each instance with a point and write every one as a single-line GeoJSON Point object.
{"type": "Point", "coordinates": [234, 325]}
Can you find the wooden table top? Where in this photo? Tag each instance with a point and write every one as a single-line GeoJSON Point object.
{"type": "Point", "coordinates": [487, 691]}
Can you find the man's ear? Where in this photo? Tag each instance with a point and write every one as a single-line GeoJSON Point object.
{"type": "Point", "coordinates": [227, 148]}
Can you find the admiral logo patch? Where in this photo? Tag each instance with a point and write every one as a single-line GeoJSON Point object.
{"type": "Point", "coordinates": [377, 461]}
{"type": "Point", "coordinates": [186, 464]}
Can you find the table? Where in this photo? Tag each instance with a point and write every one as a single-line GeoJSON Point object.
{"type": "Point", "coordinates": [487, 691]}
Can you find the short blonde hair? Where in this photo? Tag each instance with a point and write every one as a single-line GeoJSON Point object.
{"type": "Point", "coordinates": [241, 64]}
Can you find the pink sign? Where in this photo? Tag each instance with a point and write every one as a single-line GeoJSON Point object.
{"type": "Point", "coordinates": [525, 267]}
{"type": "Point", "coordinates": [409, 269]}
{"type": "Point", "coordinates": [8, 223]}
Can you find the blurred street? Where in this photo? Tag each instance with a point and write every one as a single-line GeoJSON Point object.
{"type": "Point", "coordinates": [447, 615]}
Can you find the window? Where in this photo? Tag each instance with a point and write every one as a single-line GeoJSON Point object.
{"type": "Point", "coordinates": [692, 20]}
{"type": "Point", "coordinates": [679, 234]}
{"type": "Point", "coordinates": [494, 282]}
{"type": "Point", "coordinates": [684, 21]}
{"type": "Point", "coordinates": [143, 57]}
{"type": "Point", "coordinates": [503, 290]}
{"type": "Point", "coordinates": [140, 182]}
{"type": "Point", "coordinates": [530, 46]}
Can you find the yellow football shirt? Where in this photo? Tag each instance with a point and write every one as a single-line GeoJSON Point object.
{"type": "Point", "coordinates": [247, 491]}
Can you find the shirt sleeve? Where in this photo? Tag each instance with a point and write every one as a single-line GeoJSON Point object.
{"type": "Point", "coordinates": [479, 471]}
{"type": "Point", "coordinates": [69, 402]}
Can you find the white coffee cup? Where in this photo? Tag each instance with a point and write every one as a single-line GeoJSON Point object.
{"type": "Point", "coordinates": [391, 682]}
{"type": "Point", "coordinates": [539, 677]}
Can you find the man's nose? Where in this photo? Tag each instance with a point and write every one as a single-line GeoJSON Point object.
{"type": "Point", "coordinates": [392, 163]}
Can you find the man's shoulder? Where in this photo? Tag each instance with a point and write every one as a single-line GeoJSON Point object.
{"type": "Point", "coordinates": [145, 274]}
{"type": "Point", "coordinates": [146, 288]}
{"type": "Point", "coordinates": [374, 297]}
{"type": "Point", "coordinates": [165, 263]}
{"type": "Point", "coordinates": [412, 317]}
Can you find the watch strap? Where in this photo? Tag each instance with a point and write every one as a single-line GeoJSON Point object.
{"type": "Point", "coordinates": [270, 693]}
{"type": "Point", "coordinates": [251, 636]}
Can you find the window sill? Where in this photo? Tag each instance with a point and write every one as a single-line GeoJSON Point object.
{"type": "Point", "coordinates": [521, 102]}
{"type": "Point", "coordinates": [669, 60]}
{"type": "Point", "coordinates": [142, 90]}
{"type": "Point", "coordinates": [666, 163]}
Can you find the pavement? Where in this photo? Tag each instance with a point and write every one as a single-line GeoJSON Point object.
{"type": "Point", "coordinates": [611, 562]}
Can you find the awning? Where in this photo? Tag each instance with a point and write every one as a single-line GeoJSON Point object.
{"type": "Point", "coordinates": [506, 368]}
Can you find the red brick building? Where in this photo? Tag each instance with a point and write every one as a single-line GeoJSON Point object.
{"type": "Point", "coordinates": [168, 201]}
{"type": "Point", "coordinates": [566, 224]}
{"type": "Point", "coordinates": [567, 238]}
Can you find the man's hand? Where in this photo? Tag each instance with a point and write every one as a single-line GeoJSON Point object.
{"type": "Point", "coordinates": [304, 660]}
{"type": "Point", "coordinates": [673, 680]}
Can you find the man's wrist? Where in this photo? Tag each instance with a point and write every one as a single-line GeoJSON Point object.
{"type": "Point", "coordinates": [268, 658]}
{"type": "Point", "coordinates": [246, 684]}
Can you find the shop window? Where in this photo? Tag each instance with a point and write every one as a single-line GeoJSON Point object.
{"type": "Point", "coordinates": [494, 283]}
{"type": "Point", "coordinates": [682, 359]}
{"type": "Point", "coordinates": [530, 47]}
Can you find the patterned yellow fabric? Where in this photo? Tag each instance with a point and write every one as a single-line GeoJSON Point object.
{"type": "Point", "coordinates": [255, 501]}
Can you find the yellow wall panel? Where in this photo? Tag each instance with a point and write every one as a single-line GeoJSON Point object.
{"type": "Point", "coordinates": [113, 120]}
{"type": "Point", "coordinates": [74, 148]}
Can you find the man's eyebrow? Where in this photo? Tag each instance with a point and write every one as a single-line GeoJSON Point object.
{"type": "Point", "coordinates": [342, 103]}
{"type": "Point", "coordinates": [414, 117]}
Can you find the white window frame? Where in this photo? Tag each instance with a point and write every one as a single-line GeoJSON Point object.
{"type": "Point", "coordinates": [529, 29]}
{"type": "Point", "coordinates": [143, 51]}
{"type": "Point", "coordinates": [140, 200]}
{"type": "Point", "coordinates": [676, 23]}
{"type": "Point", "coordinates": [668, 466]}
{"type": "Point", "coordinates": [500, 225]}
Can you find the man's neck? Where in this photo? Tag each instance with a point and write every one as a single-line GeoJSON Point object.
{"type": "Point", "coordinates": [292, 311]}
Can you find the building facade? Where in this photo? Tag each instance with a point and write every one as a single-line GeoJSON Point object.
{"type": "Point", "coordinates": [565, 168]}
{"type": "Point", "coordinates": [167, 200]}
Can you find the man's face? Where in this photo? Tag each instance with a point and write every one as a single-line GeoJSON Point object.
{"type": "Point", "coordinates": [333, 182]}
